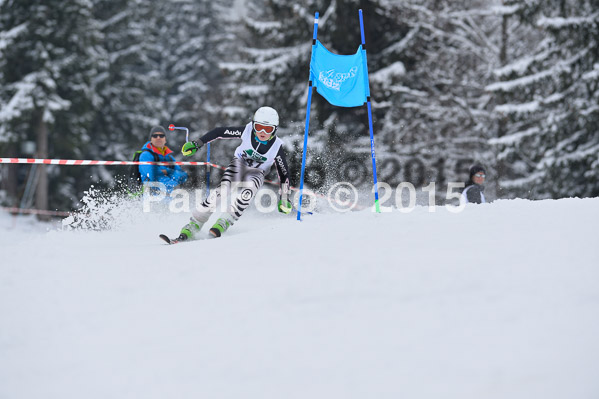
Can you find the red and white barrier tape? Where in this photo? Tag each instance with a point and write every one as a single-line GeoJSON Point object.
{"type": "Point", "coordinates": [35, 211]}
{"type": "Point", "coordinates": [85, 162]}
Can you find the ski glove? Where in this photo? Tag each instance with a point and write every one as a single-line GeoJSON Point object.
{"type": "Point", "coordinates": [284, 206]}
{"type": "Point", "coordinates": [191, 147]}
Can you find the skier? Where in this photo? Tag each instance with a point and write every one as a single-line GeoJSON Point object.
{"type": "Point", "coordinates": [474, 190]}
{"type": "Point", "coordinates": [260, 148]}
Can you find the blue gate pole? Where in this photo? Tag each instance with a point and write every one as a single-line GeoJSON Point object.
{"type": "Point", "coordinates": [208, 170]}
{"type": "Point", "coordinates": [301, 189]}
{"type": "Point", "coordinates": [376, 186]}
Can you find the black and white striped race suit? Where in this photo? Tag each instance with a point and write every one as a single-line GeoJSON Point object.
{"type": "Point", "coordinates": [245, 174]}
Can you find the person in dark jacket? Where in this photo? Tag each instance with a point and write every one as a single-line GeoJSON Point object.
{"type": "Point", "coordinates": [474, 190]}
{"type": "Point", "coordinates": [156, 150]}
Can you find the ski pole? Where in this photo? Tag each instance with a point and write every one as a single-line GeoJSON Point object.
{"type": "Point", "coordinates": [172, 127]}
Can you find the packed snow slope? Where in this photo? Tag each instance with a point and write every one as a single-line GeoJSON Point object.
{"type": "Point", "coordinates": [498, 301]}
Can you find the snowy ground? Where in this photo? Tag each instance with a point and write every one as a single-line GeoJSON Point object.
{"type": "Point", "coordinates": [498, 301]}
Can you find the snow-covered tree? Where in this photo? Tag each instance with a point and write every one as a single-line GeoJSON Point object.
{"type": "Point", "coordinates": [192, 41]}
{"type": "Point", "coordinates": [509, 83]}
{"type": "Point", "coordinates": [133, 89]}
{"type": "Point", "coordinates": [551, 96]}
{"type": "Point", "coordinates": [49, 64]}
{"type": "Point", "coordinates": [429, 94]}
{"type": "Point", "coordinates": [272, 68]}
{"type": "Point", "coordinates": [163, 69]}
{"type": "Point", "coordinates": [428, 63]}
{"type": "Point", "coordinates": [267, 64]}
{"type": "Point", "coordinates": [195, 39]}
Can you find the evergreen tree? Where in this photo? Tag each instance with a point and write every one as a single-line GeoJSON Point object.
{"type": "Point", "coordinates": [271, 67]}
{"type": "Point", "coordinates": [431, 103]}
{"type": "Point", "coordinates": [134, 88]}
{"type": "Point", "coordinates": [447, 79]}
{"type": "Point", "coordinates": [163, 69]}
{"type": "Point", "coordinates": [428, 63]}
{"type": "Point", "coordinates": [194, 41]}
{"type": "Point", "coordinates": [191, 55]}
{"type": "Point", "coordinates": [49, 64]}
{"type": "Point", "coordinates": [551, 140]}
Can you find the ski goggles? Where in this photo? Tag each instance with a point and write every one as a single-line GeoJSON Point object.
{"type": "Point", "coordinates": [268, 129]}
{"type": "Point", "coordinates": [158, 136]}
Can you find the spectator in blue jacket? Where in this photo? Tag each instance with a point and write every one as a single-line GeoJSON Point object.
{"type": "Point", "coordinates": [156, 150]}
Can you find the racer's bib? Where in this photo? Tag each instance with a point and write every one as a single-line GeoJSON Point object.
{"type": "Point", "coordinates": [251, 156]}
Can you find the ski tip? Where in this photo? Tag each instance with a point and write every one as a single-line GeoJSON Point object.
{"type": "Point", "coordinates": [166, 239]}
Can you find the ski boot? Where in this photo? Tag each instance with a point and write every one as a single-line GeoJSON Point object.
{"type": "Point", "coordinates": [221, 225]}
{"type": "Point", "coordinates": [189, 231]}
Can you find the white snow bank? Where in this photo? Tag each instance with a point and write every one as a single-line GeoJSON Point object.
{"type": "Point", "coordinates": [498, 301]}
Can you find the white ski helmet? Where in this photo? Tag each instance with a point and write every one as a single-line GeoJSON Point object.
{"type": "Point", "coordinates": [267, 115]}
